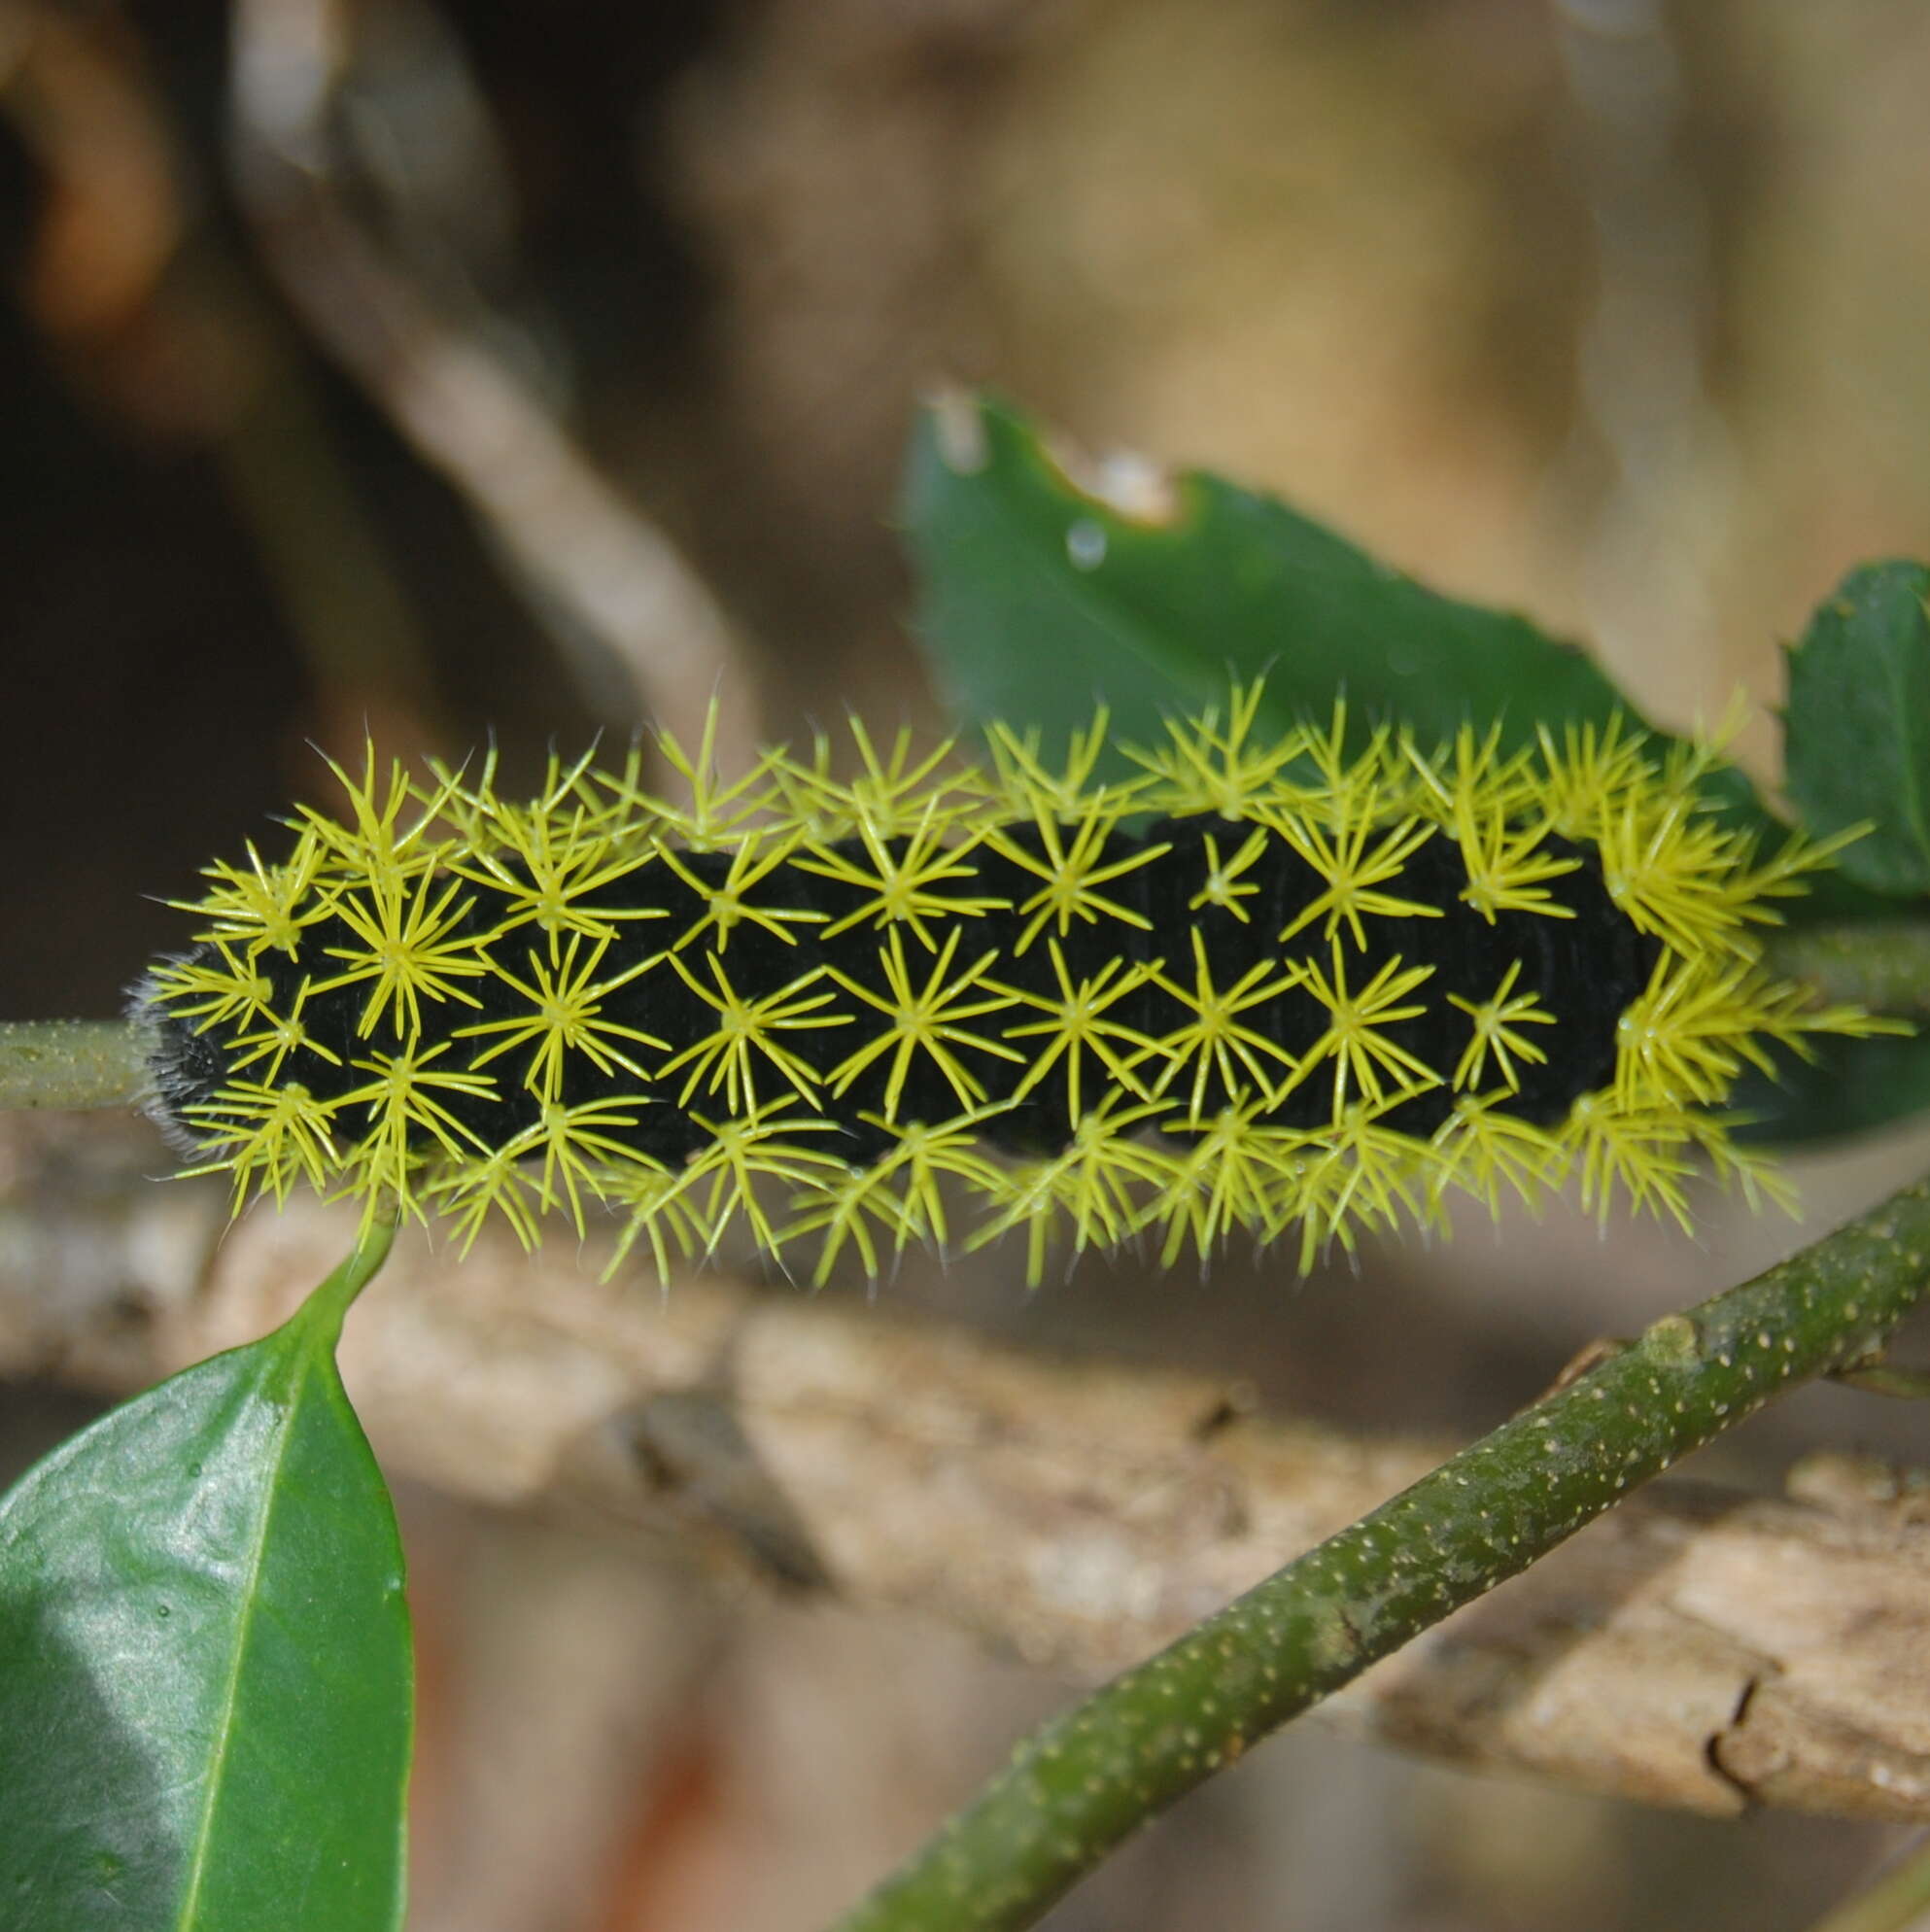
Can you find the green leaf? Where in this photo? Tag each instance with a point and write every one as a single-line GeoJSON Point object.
{"type": "Point", "coordinates": [1040, 596]}
{"type": "Point", "coordinates": [205, 1681]}
{"type": "Point", "coordinates": [1857, 729]}
{"type": "Point", "coordinates": [1850, 1087]}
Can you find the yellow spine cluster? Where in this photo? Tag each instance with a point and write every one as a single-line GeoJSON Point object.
{"type": "Point", "coordinates": [1149, 1146]}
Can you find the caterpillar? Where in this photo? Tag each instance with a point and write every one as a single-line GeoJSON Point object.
{"type": "Point", "coordinates": [1263, 983]}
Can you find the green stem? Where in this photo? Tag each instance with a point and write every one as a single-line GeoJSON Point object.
{"type": "Point", "coordinates": [328, 1304]}
{"type": "Point", "coordinates": [1883, 967]}
{"type": "Point", "coordinates": [1895, 1902]}
{"type": "Point", "coordinates": [1081, 1785]}
{"type": "Point", "coordinates": [72, 1063]}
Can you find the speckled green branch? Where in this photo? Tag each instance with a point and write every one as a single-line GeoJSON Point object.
{"type": "Point", "coordinates": [72, 1063]}
{"type": "Point", "coordinates": [1083, 1783]}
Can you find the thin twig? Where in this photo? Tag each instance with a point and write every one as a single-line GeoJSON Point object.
{"type": "Point", "coordinates": [1883, 967]}
{"type": "Point", "coordinates": [72, 1063]}
{"type": "Point", "coordinates": [619, 579]}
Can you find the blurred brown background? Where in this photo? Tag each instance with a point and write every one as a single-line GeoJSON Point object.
{"type": "Point", "coordinates": [458, 368]}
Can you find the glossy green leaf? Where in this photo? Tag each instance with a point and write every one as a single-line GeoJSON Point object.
{"type": "Point", "coordinates": [1858, 728]}
{"type": "Point", "coordinates": [1849, 1087]}
{"type": "Point", "coordinates": [1039, 595]}
{"type": "Point", "coordinates": [205, 1684]}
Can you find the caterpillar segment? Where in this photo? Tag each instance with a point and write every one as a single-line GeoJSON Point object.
{"type": "Point", "coordinates": [1263, 986]}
